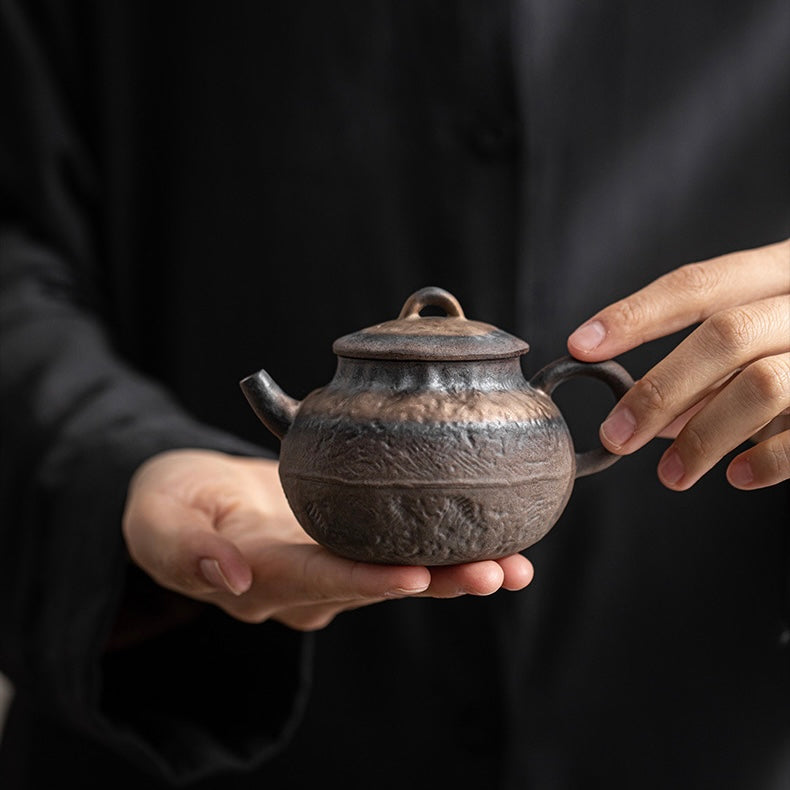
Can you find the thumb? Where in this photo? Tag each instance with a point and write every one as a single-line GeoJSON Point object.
{"type": "Point", "coordinates": [178, 546]}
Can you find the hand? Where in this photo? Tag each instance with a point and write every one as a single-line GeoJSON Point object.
{"type": "Point", "coordinates": [218, 528]}
{"type": "Point", "coordinates": [728, 381]}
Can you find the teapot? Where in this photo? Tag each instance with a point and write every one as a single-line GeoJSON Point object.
{"type": "Point", "coordinates": [429, 446]}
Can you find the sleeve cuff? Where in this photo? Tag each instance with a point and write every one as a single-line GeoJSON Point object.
{"type": "Point", "coordinates": [213, 694]}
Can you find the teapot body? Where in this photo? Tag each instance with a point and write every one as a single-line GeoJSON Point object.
{"type": "Point", "coordinates": [427, 462]}
{"type": "Point", "coordinates": [429, 447]}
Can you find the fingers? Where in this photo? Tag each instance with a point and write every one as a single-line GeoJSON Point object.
{"type": "Point", "coordinates": [307, 574]}
{"type": "Point", "coordinates": [179, 548]}
{"type": "Point", "coordinates": [326, 585]}
{"type": "Point", "coordinates": [474, 578]}
{"type": "Point", "coordinates": [722, 345]}
{"type": "Point", "coordinates": [290, 575]}
{"type": "Point", "coordinates": [478, 578]}
{"type": "Point", "coordinates": [750, 401]}
{"type": "Point", "coordinates": [518, 572]}
{"type": "Point", "coordinates": [727, 380]}
{"type": "Point", "coordinates": [293, 577]}
{"type": "Point", "coordinates": [683, 297]}
{"type": "Point", "coordinates": [764, 465]}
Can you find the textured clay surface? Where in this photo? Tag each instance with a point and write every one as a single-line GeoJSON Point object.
{"type": "Point", "coordinates": [427, 493]}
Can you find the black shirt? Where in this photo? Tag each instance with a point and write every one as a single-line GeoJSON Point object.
{"type": "Point", "coordinates": [189, 192]}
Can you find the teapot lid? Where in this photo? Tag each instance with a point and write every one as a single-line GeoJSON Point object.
{"type": "Point", "coordinates": [412, 336]}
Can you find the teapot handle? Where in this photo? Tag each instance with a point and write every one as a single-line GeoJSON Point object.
{"type": "Point", "coordinates": [611, 373]}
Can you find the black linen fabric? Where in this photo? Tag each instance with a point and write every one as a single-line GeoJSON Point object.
{"type": "Point", "coordinates": [189, 192]}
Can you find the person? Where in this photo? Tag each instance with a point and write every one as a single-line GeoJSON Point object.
{"type": "Point", "coordinates": [192, 192]}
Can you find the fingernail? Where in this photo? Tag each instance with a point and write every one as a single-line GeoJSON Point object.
{"type": "Point", "coordinates": [619, 426]}
{"type": "Point", "coordinates": [741, 473]}
{"type": "Point", "coordinates": [588, 336]}
{"type": "Point", "coordinates": [408, 590]}
{"type": "Point", "coordinates": [670, 468]}
{"type": "Point", "coordinates": [212, 572]}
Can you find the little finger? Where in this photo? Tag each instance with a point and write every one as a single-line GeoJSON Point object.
{"type": "Point", "coordinates": [765, 464]}
{"type": "Point", "coordinates": [750, 401]}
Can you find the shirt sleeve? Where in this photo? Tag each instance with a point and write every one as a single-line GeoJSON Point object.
{"type": "Point", "coordinates": [76, 419]}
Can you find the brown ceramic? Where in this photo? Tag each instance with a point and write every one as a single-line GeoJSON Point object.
{"type": "Point", "coordinates": [429, 447]}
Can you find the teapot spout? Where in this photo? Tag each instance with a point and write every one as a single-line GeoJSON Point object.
{"type": "Point", "coordinates": [274, 408]}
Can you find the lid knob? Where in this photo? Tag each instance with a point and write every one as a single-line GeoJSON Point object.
{"type": "Point", "coordinates": [431, 296]}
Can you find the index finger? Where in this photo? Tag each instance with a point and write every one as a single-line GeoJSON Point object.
{"type": "Point", "coordinates": [685, 296]}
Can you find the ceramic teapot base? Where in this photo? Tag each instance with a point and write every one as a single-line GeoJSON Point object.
{"type": "Point", "coordinates": [424, 528]}
{"type": "Point", "coordinates": [369, 494]}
